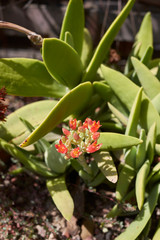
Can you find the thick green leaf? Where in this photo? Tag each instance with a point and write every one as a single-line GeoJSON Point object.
{"type": "Point", "coordinates": [97, 180]}
{"type": "Point", "coordinates": [118, 208]}
{"type": "Point", "coordinates": [41, 145]}
{"type": "Point", "coordinates": [112, 127]}
{"type": "Point", "coordinates": [150, 83]}
{"type": "Point", "coordinates": [141, 183]}
{"type": "Point", "coordinates": [112, 141]}
{"type": "Point", "coordinates": [31, 164]}
{"type": "Point", "coordinates": [106, 165]}
{"type": "Point", "coordinates": [87, 48]}
{"type": "Point", "coordinates": [128, 70]}
{"type": "Point", "coordinates": [73, 22]}
{"type": "Point", "coordinates": [69, 39]}
{"type": "Point", "coordinates": [34, 113]}
{"type": "Point", "coordinates": [62, 62]}
{"type": "Point", "coordinates": [157, 74]}
{"type": "Point", "coordinates": [137, 226]}
{"type": "Point", "coordinates": [127, 174]}
{"type": "Point", "coordinates": [141, 150]}
{"type": "Point", "coordinates": [105, 43]}
{"type": "Point", "coordinates": [131, 129]}
{"type": "Point", "coordinates": [144, 234]}
{"type": "Point", "coordinates": [118, 114]}
{"type": "Point", "coordinates": [85, 176]}
{"type": "Point", "coordinates": [147, 55]}
{"type": "Point", "coordinates": [156, 101]}
{"type": "Point", "coordinates": [29, 78]}
{"type": "Point", "coordinates": [61, 196]}
{"type": "Point", "coordinates": [145, 36]}
{"type": "Point", "coordinates": [71, 103]}
{"type": "Point", "coordinates": [145, 59]}
{"type": "Point", "coordinates": [126, 91]}
{"type": "Point", "coordinates": [108, 95]}
{"type": "Point", "coordinates": [155, 169]}
{"type": "Point", "coordinates": [143, 45]}
{"type": "Point", "coordinates": [55, 160]}
{"type": "Point", "coordinates": [154, 63]}
{"type": "Point", "coordinates": [157, 233]}
{"type": "Point", "coordinates": [151, 141]}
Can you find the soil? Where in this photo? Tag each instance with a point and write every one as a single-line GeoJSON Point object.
{"type": "Point", "coordinates": [28, 212]}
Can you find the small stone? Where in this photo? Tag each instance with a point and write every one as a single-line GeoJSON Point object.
{"type": "Point", "coordinates": [51, 237]}
{"type": "Point", "coordinates": [6, 183]}
{"type": "Point", "coordinates": [41, 231]}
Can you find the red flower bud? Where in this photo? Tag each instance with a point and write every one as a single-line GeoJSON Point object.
{"type": "Point", "coordinates": [73, 123]}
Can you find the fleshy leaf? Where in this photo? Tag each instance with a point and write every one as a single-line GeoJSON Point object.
{"type": "Point", "coordinates": [118, 114]}
{"type": "Point", "coordinates": [145, 59]}
{"type": "Point", "coordinates": [126, 91]}
{"type": "Point", "coordinates": [34, 113]}
{"type": "Point", "coordinates": [29, 78]}
{"type": "Point", "coordinates": [131, 128]}
{"type": "Point", "coordinates": [73, 22]}
{"type": "Point", "coordinates": [137, 226]}
{"type": "Point", "coordinates": [145, 36]}
{"type": "Point", "coordinates": [69, 39]}
{"type": "Point", "coordinates": [141, 183]}
{"type": "Point", "coordinates": [87, 48]}
{"type": "Point", "coordinates": [112, 141]}
{"type": "Point", "coordinates": [61, 196]}
{"type": "Point", "coordinates": [97, 180]}
{"type": "Point", "coordinates": [141, 150]}
{"type": "Point", "coordinates": [157, 233]}
{"type": "Point", "coordinates": [127, 174]}
{"type": "Point", "coordinates": [62, 62]}
{"type": "Point", "coordinates": [105, 43]}
{"type": "Point", "coordinates": [108, 95]}
{"type": "Point", "coordinates": [71, 103]}
{"type": "Point", "coordinates": [151, 141]}
{"type": "Point", "coordinates": [156, 101]}
{"type": "Point", "coordinates": [55, 160]}
{"type": "Point", "coordinates": [29, 163]}
{"type": "Point", "coordinates": [106, 165]}
{"type": "Point", "coordinates": [149, 82]}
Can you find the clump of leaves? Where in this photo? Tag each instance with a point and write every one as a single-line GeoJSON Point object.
{"type": "Point", "coordinates": [75, 75]}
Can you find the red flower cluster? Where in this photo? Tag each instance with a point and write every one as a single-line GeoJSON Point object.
{"type": "Point", "coordinates": [80, 138]}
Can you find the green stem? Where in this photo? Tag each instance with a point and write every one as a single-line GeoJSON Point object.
{"type": "Point", "coordinates": [82, 162]}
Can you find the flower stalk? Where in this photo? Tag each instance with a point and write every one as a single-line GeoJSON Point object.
{"type": "Point", "coordinates": [82, 161]}
{"type": "Point", "coordinates": [32, 36]}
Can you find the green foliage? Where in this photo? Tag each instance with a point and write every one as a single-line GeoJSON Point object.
{"type": "Point", "coordinates": [106, 165]}
{"type": "Point", "coordinates": [29, 78]}
{"type": "Point", "coordinates": [141, 183]}
{"type": "Point", "coordinates": [144, 37]}
{"type": "Point", "coordinates": [105, 43]}
{"type": "Point", "coordinates": [136, 227]}
{"type": "Point", "coordinates": [62, 62]}
{"type": "Point", "coordinates": [14, 130]}
{"type": "Point", "coordinates": [73, 23]}
{"type": "Point", "coordinates": [71, 103]}
{"type": "Point", "coordinates": [61, 196]}
{"type": "Point", "coordinates": [127, 106]}
{"type": "Point", "coordinates": [55, 160]}
{"type": "Point", "coordinates": [113, 141]}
